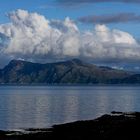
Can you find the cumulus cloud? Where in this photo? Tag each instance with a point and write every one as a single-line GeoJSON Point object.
{"type": "Point", "coordinates": [32, 37]}
{"type": "Point", "coordinates": [112, 18]}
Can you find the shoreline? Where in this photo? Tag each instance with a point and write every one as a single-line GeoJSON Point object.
{"type": "Point", "coordinates": [117, 125]}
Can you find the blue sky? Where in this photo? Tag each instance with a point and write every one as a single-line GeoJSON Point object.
{"type": "Point", "coordinates": [101, 31]}
{"type": "Point", "coordinates": [52, 10]}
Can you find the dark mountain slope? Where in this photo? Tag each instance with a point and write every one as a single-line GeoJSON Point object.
{"type": "Point", "coordinates": [72, 71]}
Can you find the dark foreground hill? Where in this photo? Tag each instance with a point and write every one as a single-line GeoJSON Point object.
{"type": "Point", "coordinates": [68, 72]}
{"type": "Point", "coordinates": [122, 126]}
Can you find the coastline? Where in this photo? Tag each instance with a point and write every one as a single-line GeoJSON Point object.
{"type": "Point", "coordinates": [117, 125]}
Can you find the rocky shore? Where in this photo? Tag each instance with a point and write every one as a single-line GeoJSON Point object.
{"type": "Point", "coordinates": [114, 126]}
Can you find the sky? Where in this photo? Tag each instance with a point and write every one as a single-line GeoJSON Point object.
{"type": "Point", "coordinates": [105, 32]}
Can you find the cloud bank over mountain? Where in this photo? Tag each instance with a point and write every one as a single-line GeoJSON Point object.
{"type": "Point", "coordinates": [33, 37]}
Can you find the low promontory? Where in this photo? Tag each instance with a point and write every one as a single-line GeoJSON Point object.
{"type": "Point", "coordinates": [114, 126]}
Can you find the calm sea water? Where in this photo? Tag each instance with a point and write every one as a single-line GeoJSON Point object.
{"type": "Point", "coordinates": [42, 106]}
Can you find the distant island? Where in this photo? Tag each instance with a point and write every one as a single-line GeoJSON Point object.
{"type": "Point", "coordinates": [72, 71]}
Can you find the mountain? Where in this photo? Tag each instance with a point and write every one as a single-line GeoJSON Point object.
{"type": "Point", "coordinates": [73, 71]}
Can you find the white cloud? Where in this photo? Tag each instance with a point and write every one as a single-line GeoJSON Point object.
{"type": "Point", "coordinates": [65, 26]}
{"type": "Point", "coordinates": [30, 36]}
{"type": "Point", "coordinates": [114, 36]}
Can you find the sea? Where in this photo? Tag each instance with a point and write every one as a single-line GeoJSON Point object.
{"type": "Point", "coordinates": [23, 107]}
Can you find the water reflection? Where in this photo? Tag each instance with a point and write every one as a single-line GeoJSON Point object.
{"type": "Point", "coordinates": [71, 107]}
{"type": "Point", "coordinates": [41, 107]}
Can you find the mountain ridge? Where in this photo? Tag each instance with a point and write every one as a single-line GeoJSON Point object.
{"type": "Point", "coordinates": [72, 71]}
